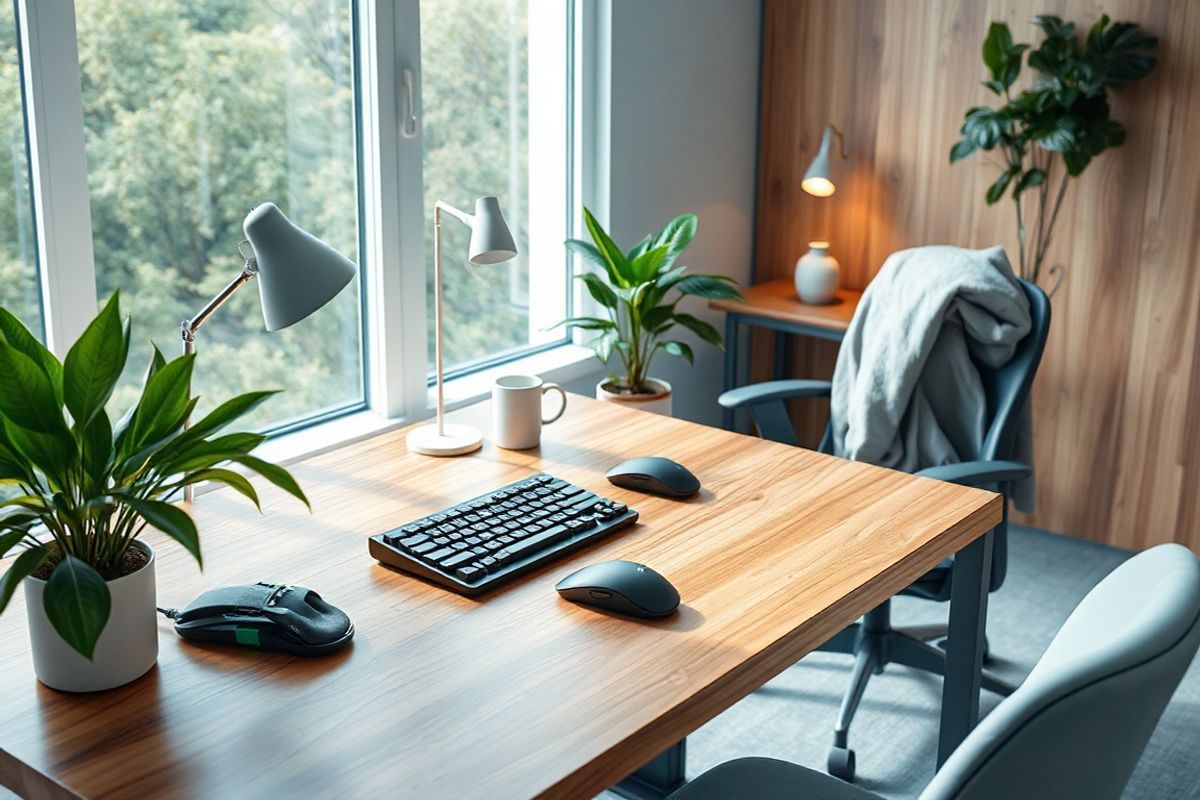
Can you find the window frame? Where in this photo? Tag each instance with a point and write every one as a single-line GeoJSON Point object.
{"type": "Point", "coordinates": [386, 44]}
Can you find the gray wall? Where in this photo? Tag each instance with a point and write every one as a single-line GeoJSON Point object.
{"type": "Point", "coordinates": [684, 130]}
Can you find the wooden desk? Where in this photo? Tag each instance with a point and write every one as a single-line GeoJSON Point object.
{"type": "Point", "coordinates": [521, 693]}
{"type": "Point", "coordinates": [774, 305]}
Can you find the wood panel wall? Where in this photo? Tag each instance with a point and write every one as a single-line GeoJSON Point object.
{"type": "Point", "coordinates": [1117, 400]}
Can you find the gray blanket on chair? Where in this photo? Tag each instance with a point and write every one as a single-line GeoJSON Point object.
{"type": "Point", "coordinates": [906, 393]}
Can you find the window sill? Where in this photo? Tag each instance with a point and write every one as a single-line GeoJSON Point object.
{"type": "Point", "coordinates": [560, 365]}
{"type": "Point", "coordinates": [557, 365]}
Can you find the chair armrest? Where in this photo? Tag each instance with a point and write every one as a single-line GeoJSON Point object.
{"type": "Point", "coordinates": [978, 473]}
{"type": "Point", "coordinates": [756, 393]}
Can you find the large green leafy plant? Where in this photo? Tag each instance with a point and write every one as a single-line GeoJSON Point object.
{"type": "Point", "coordinates": [1055, 128]}
{"type": "Point", "coordinates": [639, 290]}
{"type": "Point", "coordinates": [87, 487]}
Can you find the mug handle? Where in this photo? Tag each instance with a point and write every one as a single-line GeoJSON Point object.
{"type": "Point", "coordinates": [547, 387]}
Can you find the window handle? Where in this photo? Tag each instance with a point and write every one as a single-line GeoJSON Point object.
{"type": "Point", "coordinates": [409, 129]}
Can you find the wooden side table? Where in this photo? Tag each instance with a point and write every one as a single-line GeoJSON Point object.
{"type": "Point", "coordinates": [774, 305]}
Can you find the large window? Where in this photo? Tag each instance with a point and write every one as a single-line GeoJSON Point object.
{"type": "Point", "coordinates": [139, 133]}
{"type": "Point", "coordinates": [19, 291]}
{"type": "Point", "coordinates": [195, 112]}
{"type": "Point", "coordinates": [495, 86]}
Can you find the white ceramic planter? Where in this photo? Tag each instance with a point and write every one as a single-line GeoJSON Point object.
{"type": "Point", "coordinates": [817, 274]}
{"type": "Point", "coordinates": [657, 403]}
{"type": "Point", "coordinates": [127, 649]}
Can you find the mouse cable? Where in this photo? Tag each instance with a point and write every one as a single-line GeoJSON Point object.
{"type": "Point", "coordinates": [169, 613]}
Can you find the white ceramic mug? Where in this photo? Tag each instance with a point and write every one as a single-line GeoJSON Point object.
{"type": "Point", "coordinates": [517, 410]}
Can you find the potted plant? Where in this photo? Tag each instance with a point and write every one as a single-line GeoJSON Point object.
{"type": "Point", "coordinates": [639, 291]}
{"type": "Point", "coordinates": [1051, 131]}
{"type": "Point", "coordinates": [86, 489]}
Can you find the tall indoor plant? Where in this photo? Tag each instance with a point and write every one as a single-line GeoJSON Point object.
{"type": "Point", "coordinates": [86, 489]}
{"type": "Point", "coordinates": [639, 291]}
{"type": "Point", "coordinates": [1050, 132]}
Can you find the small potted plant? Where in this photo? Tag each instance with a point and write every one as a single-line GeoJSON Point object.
{"type": "Point", "coordinates": [1050, 132]}
{"type": "Point", "coordinates": [87, 488]}
{"type": "Point", "coordinates": [639, 291]}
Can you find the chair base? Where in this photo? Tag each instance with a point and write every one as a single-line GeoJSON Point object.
{"type": "Point", "coordinates": [874, 643]}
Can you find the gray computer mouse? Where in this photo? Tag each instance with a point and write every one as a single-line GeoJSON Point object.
{"type": "Point", "coordinates": [621, 586]}
{"type": "Point", "coordinates": [655, 475]}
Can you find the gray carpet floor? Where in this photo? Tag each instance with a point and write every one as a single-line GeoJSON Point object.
{"type": "Point", "coordinates": [895, 732]}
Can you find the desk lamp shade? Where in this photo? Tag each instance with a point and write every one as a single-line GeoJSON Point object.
{"type": "Point", "coordinates": [818, 180]}
{"type": "Point", "coordinates": [491, 241]}
{"type": "Point", "coordinates": [297, 272]}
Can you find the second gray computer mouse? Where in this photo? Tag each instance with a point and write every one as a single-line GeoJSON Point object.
{"type": "Point", "coordinates": [656, 475]}
{"type": "Point", "coordinates": [621, 586]}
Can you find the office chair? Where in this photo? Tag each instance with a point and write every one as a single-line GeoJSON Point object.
{"type": "Point", "coordinates": [873, 641]}
{"type": "Point", "coordinates": [1077, 725]}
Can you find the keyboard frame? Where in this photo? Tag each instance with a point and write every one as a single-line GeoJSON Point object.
{"type": "Point", "coordinates": [393, 556]}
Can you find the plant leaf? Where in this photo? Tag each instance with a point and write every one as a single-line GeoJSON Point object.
{"type": "Point", "coordinates": [613, 259]}
{"type": "Point", "coordinates": [586, 323]}
{"type": "Point", "coordinates": [643, 268]}
{"type": "Point", "coordinates": [228, 477]}
{"type": "Point", "coordinates": [96, 446]}
{"type": "Point", "coordinates": [94, 364]}
{"type": "Point", "coordinates": [603, 345]}
{"type": "Point", "coordinates": [996, 190]}
{"type": "Point", "coordinates": [654, 319]}
{"type": "Point", "coordinates": [78, 604]}
{"type": "Point", "coordinates": [16, 334]}
{"type": "Point", "coordinates": [52, 453]}
{"type": "Point", "coordinates": [276, 475]}
{"type": "Point", "coordinates": [170, 519]}
{"type": "Point", "coordinates": [22, 567]}
{"type": "Point", "coordinates": [701, 328]}
{"type": "Point", "coordinates": [589, 253]}
{"type": "Point", "coordinates": [164, 402]}
{"type": "Point", "coordinates": [1032, 178]}
{"type": "Point", "coordinates": [27, 396]}
{"type": "Point", "coordinates": [996, 48]}
{"type": "Point", "coordinates": [598, 289]}
{"type": "Point", "coordinates": [962, 149]}
{"type": "Point", "coordinates": [227, 412]}
{"type": "Point", "coordinates": [680, 349]}
{"type": "Point", "coordinates": [711, 287]}
{"type": "Point", "coordinates": [675, 236]}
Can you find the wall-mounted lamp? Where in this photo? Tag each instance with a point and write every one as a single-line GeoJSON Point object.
{"type": "Point", "coordinates": [817, 272]}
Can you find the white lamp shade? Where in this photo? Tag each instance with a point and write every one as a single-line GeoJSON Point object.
{"type": "Point", "coordinates": [818, 181]}
{"type": "Point", "coordinates": [491, 241]}
{"type": "Point", "coordinates": [297, 272]}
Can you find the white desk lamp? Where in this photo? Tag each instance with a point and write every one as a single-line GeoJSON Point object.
{"type": "Point", "coordinates": [817, 272]}
{"type": "Point", "coordinates": [491, 243]}
{"type": "Point", "coordinates": [297, 274]}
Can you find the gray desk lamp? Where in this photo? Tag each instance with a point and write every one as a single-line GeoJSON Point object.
{"type": "Point", "coordinates": [491, 243]}
{"type": "Point", "coordinates": [297, 274]}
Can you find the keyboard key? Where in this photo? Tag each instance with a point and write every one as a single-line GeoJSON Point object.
{"type": "Point", "coordinates": [438, 555]}
{"type": "Point", "coordinates": [442, 540]}
{"type": "Point", "coordinates": [414, 540]}
{"type": "Point", "coordinates": [571, 491]}
{"type": "Point", "coordinates": [470, 574]}
{"type": "Point", "coordinates": [535, 543]}
{"type": "Point", "coordinates": [424, 548]}
{"type": "Point", "coordinates": [456, 559]}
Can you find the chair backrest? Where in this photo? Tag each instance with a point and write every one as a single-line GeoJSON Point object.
{"type": "Point", "coordinates": [1007, 390]}
{"type": "Point", "coordinates": [1007, 387]}
{"type": "Point", "coordinates": [1078, 724]}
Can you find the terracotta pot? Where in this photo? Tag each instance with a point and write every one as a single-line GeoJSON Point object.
{"type": "Point", "coordinates": [657, 403]}
{"type": "Point", "coordinates": [127, 648]}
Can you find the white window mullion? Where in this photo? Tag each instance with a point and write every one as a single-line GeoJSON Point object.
{"type": "Point", "coordinates": [393, 206]}
{"type": "Point", "coordinates": [54, 110]}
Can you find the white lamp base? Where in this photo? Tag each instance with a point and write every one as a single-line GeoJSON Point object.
{"type": "Point", "coordinates": [455, 441]}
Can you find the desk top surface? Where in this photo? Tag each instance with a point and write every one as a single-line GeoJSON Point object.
{"type": "Point", "coordinates": [777, 300]}
{"type": "Point", "coordinates": [519, 693]}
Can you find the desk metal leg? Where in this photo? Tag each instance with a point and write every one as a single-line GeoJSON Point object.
{"type": "Point", "coordinates": [782, 351]}
{"type": "Point", "coordinates": [659, 778]}
{"type": "Point", "coordinates": [731, 366]}
{"type": "Point", "coordinates": [969, 586]}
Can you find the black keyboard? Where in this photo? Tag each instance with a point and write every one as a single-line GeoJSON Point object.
{"type": "Point", "coordinates": [479, 544]}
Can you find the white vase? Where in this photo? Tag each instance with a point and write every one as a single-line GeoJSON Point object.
{"type": "Point", "coordinates": [657, 403]}
{"type": "Point", "coordinates": [127, 648]}
{"type": "Point", "coordinates": [817, 274]}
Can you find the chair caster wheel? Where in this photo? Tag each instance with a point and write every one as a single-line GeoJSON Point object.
{"type": "Point", "coordinates": [841, 763]}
